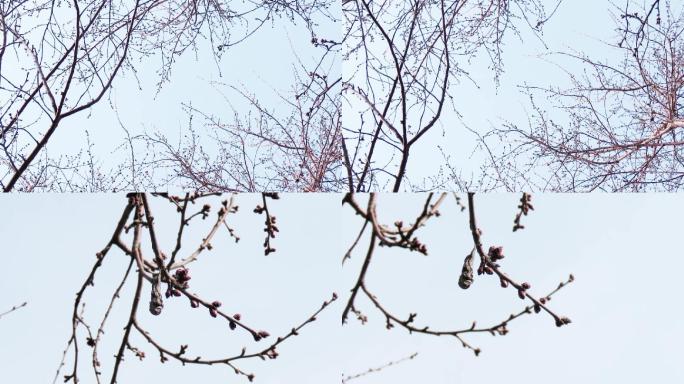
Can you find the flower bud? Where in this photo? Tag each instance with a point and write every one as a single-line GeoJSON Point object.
{"type": "Point", "coordinates": [263, 334]}
{"type": "Point", "coordinates": [495, 253]}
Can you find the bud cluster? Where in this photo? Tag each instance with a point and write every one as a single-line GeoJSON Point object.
{"type": "Point", "coordinates": [214, 306]}
{"type": "Point", "coordinates": [270, 223]}
{"type": "Point", "coordinates": [171, 291]}
{"type": "Point", "coordinates": [561, 321]}
{"type": "Point", "coordinates": [416, 245]}
{"type": "Point", "coordinates": [524, 208]}
{"type": "Point", "coordinates": [232, 324]}
{"type": "Point", "coordinates": [495, 253]}
{"type": "Point", "coordinates": [261, 335]}
{"type": "Point", "coordinates": [270, 229]}
{"type": "Point", "coordinates": [522, 291]}
{"type": "Point", "coordinates": [205, 211]}
{"type": "Point", "coordinates": [182, 276]}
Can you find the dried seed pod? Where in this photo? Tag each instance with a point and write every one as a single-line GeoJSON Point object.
{"type": "Point", "coordinates": [466, 278]}
{"type": "Point", "coordinates": [156, 302]}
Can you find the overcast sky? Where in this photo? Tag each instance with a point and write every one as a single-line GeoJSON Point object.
{"type": "Point", "coordinates": [623, 250]}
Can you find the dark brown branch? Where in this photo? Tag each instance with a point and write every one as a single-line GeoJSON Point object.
{"type": "Point", "coordinates": [489, 266]}
{"type": "Point", "coordinates": [524, 208]}
{"type": "Point", "coordinates": [401, 235]}
{"type": "Point", "coordinates": [270, 223]}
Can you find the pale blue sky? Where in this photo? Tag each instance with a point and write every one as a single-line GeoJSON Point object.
{"type": "Point", "coordinates": [577, 26]}
{"type": "Point", "coordinates": [623, 250]}
{"type": "Point", "coordinates": [49, 244]}
{"type": "Point", "coordinates": [263, 65]}
{"type": "Point", "coordinates": [625, 255]}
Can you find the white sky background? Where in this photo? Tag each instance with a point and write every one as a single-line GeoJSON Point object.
{"type": "Point", "coordinates": [623, 250]}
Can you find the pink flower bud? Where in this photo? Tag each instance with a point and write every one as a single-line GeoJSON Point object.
{"type": "Point", "coordinates": [495, 253]}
